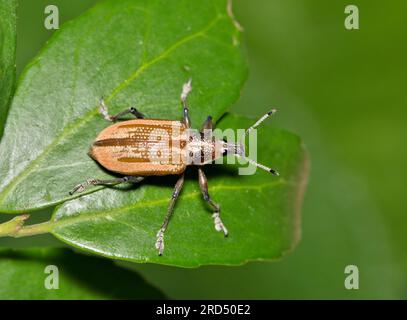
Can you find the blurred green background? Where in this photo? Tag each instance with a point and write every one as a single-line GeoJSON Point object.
{"type": "Point", "coordinates": [342, 92]}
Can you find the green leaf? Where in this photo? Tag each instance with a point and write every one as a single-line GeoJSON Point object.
{"type": "Point", "coordinates": [23, 276]}
{"type": "Point", "coordinates": [132, 52]}
{"type": "Point", "coordinates": [7, 56]}
{"type": "Point", "coordinates": [261, 211]}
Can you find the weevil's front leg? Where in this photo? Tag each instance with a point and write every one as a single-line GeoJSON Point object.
{"type": "Point", "coordinates": [203, 183]}
{"type": "Point", "coordinates": [206, 128]}
{"type": "Point", "coordinates": [208, 124]}
{"type": "Point", "coordinates": [109, 182]}
{"type": "Point", "coordinates": [186, 89]}
{"type": "Point", "coordinates": [104, 111]}
{"type": "Point", "coordinates": [160, 235]}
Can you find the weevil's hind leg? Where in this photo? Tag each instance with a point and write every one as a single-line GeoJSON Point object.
{"type": "Point", "coordinates": [110, 182]}
{"type": "Point", "coordinates": [203, 183]}
{"type": "Point", "coordinates": [105, 112]}
{"type": "Point", "coordinates": [186, 89]}
{"type": "Point", "coordinates": [159, 245]}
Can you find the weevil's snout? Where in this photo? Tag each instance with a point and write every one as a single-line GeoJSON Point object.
{"type": "Point", "coordinates": [240, 149]}
{"type": "Point", "coordinates": [230, 148]}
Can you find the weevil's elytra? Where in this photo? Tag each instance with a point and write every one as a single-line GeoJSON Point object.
{"type": "Point", "coordinates": [153, 147]}
{"type": "Point", "coordinates": [126, 147]}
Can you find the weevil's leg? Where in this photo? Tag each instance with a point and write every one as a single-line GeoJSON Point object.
{"type": "Point", "coordinates": [203, 183]}
{"type": "Point", "coordinates": [109, 182]}
{"type": "Point", "coordinates": [186, 89]}
{"type": "Point", "coordinates": [160, 235]}
{"type": "Point", "coordinates": [104, 111]}
{"type": "Point", "coordinates": [207, 125]}
{"type": "Point", "coordinates": [206, 128]}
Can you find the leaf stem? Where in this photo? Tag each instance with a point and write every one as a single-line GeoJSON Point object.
{"type": "Point", "coordinates": [15, 227]}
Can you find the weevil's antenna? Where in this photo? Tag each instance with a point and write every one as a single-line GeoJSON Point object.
{"type": "Point", "coordinates": [261, 166]}
{"type": "Point", "coordinates": [258, 122]}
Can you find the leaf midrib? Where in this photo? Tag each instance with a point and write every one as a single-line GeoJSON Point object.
{"type": "Point", "coordinates": [93, 112]}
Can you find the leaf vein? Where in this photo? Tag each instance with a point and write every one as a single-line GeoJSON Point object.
{"type": "Point", "coordinates": [93, 112]}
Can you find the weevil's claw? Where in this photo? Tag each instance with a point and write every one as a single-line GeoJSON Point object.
{"type": "Point", "coordinates": [82, 186]}
{"type": "Point", "coordinates": [219, 226]}
{"type": "Point", "coordinates": [104, 111]}
{"type": "Point", "coordinates": [186, 89]}
{"type": "Point", "coordinates": [159, 244]}
{"type": "Point", "coordinates": [78, 188]}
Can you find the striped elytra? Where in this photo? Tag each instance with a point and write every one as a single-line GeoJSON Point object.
{"type": "Point", "coordinates": [142, 147]}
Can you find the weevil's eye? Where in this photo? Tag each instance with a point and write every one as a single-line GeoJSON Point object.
{"type": "Point", "coordinates": [225, 149]}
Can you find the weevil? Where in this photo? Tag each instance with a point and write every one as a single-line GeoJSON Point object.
{"type": "Point", "coordinates": [127, 148]}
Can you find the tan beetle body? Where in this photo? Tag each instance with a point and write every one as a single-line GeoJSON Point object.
{"type": "Point", "coordinates": [125, 147]}
{"type": "Point", "coordinates": [147, 147]}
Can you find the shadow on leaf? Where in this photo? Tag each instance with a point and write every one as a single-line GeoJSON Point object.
{"type": "Point", "coordinates": [80, 276]}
